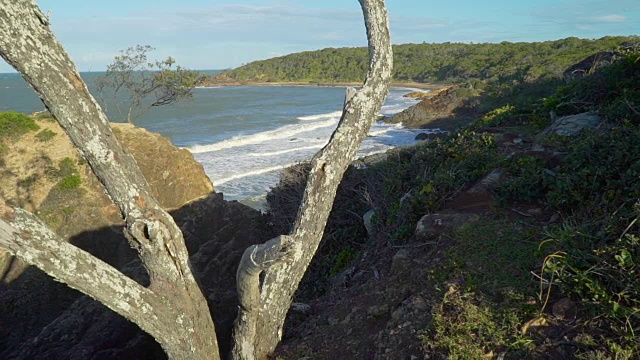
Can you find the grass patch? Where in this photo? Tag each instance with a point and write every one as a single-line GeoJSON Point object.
{"type": "Point", "coordinates": [467, 326]}
{"type": "Point", "coordinates": [45, 135]}
{"type": "Point", "coordinates": [496, 255]}
{"type": "Point", "coordinates": [3, 149]}
{"type": "Point", "coordinates": [488, 295]}
{"type": "Point", "coordinates": [46, 116]}
{"type": "Point", "coordinates": [419, 180]}
{"type": "Point", "coordinates": [27, 182]}
{"type": "Point", "coordinates": [68, 173]}
{"type": "Point", "coordinates": [14, 124]}
{"type": "Point", "coordinates": [70, 182]}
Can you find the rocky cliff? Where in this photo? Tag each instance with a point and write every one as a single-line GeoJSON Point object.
{"type": "Point", "coordinates": [42, 172]}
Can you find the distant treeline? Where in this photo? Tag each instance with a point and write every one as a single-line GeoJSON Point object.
{"type": "Point", "coordinates": [432, 63]}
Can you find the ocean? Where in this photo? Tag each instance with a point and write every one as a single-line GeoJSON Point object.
{"type": "Point", "coordinates": [244, 136]}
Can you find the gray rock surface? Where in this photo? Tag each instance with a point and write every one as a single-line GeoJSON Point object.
{"type": "Point", "coordinates": [571, 125]}
{"type": "Point", "coordinates": [434, 224]}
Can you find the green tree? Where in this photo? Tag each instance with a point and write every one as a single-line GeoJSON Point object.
{"type": "Point", "coordinates": [133, 84]}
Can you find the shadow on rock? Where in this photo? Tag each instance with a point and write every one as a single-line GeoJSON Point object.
{"type": "Point", "coordinates": [40, 318]}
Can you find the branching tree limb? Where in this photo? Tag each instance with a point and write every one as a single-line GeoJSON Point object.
{"type": "Point", "coordinates": [327, 168]}
{"type": "Point", "coordinates": [27, 43]}
{"type": "Point", "coordinates": [27, 237]}
{"type": "Point", "coordinates": [172, 308]}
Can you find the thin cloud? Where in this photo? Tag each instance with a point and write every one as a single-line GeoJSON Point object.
{"type": "Point", "coordinates": [611, 18]}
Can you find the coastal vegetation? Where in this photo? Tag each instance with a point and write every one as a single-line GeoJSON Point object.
{"type": "Point", "coordinates": [503, 239]}
{"type": "Point", "coordinates": [502, 63]}
{"type": "Point", "coordinates": [13, 124]}
{"type": "Point", "coordinates": [535, 253]}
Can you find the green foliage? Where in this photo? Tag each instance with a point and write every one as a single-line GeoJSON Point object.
{"type": "Point", "coordinates": [14, 125]}
{"type": "Point", "coordinates": [68, 173]}
{"type": "Point", "coordinates": [344, 257]}
{"type": "Point", "coordinates": [432, 63]}
{"type": "Point", "coordinates": [613, 91]}
{"type": "Point", "coordinates": [418, 180]}
{"type": "Point", "coordinates": [497, 116]}
{"type": "Point", "coordinates": [45, 135]}
{"type": "Point", "coordinates": [599, 173]}
{"type": "Point", "coordinates": [604, 275]}
{"type": "Point", "coordinates": [526, 179]}
{"type": "Point", "coordinates": [485, 299]}
{"type": "Point", "coordinates": [145, 84]}
{"type": "Point", "coordinates": [66, 167]}
{"type": "Point", "coordinates": [27, 182]}
{"type": "Point", "coordinates": [467, 326]}
{"type": "Point", "coordinates": [493, 255]}
{"type": "Point", "coordinates": [70, 182]}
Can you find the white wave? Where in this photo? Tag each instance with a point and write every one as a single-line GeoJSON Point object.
{"type": "Point", "coordinates": [208, 87]}
{"type": "Point", "coordinates": [321, 116]}
{"type": "Point", "coordinates": [412, 89]}
{"type": "Point", "coordinates": [250, 173]}
{"type": "Point", "coordinates": [377, 133]}
{"type": "Point", "coordinates": [280, 152]}
{"type": "Point", "coordinates": [279, 133]}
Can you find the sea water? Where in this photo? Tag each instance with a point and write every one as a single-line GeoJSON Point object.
{"type": "Point", "coordinates": [244, 136]}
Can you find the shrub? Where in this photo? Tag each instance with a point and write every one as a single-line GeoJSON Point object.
{"type": "Point", "coordinates": [67, 171]}
{"type": "Point", "coordinates": [14, 125]}
{"type": "Point", "coordinates": [497, 116]}
{"type": "Point", "coordinates": [612, 91]}
{"type": "Point", "coordinates": [526, 181]}
{"type": "Point", "coordinates": [70, 182]}
{"type": "Point", "coordinates": [45, 135]}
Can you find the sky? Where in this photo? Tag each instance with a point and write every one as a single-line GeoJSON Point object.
{"type": "Point", "coordinates": [219, 34]}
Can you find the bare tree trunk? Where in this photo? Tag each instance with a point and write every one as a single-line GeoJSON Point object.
{"type": "Point", "coordinates": [173, 308]}
{"type": "Point", "coordinates": [285, 259]}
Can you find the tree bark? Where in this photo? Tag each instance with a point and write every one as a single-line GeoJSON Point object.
{"type": "Point", "coordinates": [27, 43]}
{"type": "Point", "coordinates": [173, 297]}
{"type": "Point", "coordinates": [267, 305]}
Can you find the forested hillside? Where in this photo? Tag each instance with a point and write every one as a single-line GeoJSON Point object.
{"type": "Point", "coordinates": [432, 63]}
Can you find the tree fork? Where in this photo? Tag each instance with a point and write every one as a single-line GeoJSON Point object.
{"type": "Point", "coordinates": [327, 168]}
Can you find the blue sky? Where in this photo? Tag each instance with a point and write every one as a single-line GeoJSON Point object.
{"type": "Point", "coordinates": [217, 34]}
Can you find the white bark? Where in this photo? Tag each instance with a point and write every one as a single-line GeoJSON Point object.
{"type": "Point", "coordinates": [327, 168]}
{"type": "Point", "coordinates": [27, 43]}
{"type": "Point", "coordinates": [173, 309]}
{"type": "Point", "coordinates": [27, 237]}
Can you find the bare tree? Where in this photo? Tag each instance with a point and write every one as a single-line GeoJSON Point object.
{"type": "Point", "coordinates": [172, 308]}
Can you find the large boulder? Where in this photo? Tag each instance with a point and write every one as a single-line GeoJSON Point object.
{"type": "Point", "coordinates": [431, 225]}
{"type": "Point", "coordinates": [40, 318]}
{"type": "Point", "coordinates": [571, 125]}
{"type": "Point", "coordinates": [441, 105]}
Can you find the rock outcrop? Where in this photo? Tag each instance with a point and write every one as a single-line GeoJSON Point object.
{"type": "Point", "coordinates": [32, 172]}
{"type": "Point", "coordinates": [40, 318]}
{"type": "Point", "coordinates": [571, 125]}
{"type": "Point", "coordinates": [43, 319]}
{"type": "Point", "coordinates": [440, 105]}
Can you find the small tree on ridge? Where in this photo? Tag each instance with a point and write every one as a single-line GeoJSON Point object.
{"type": "Point", "coordinates": [133, 84]}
